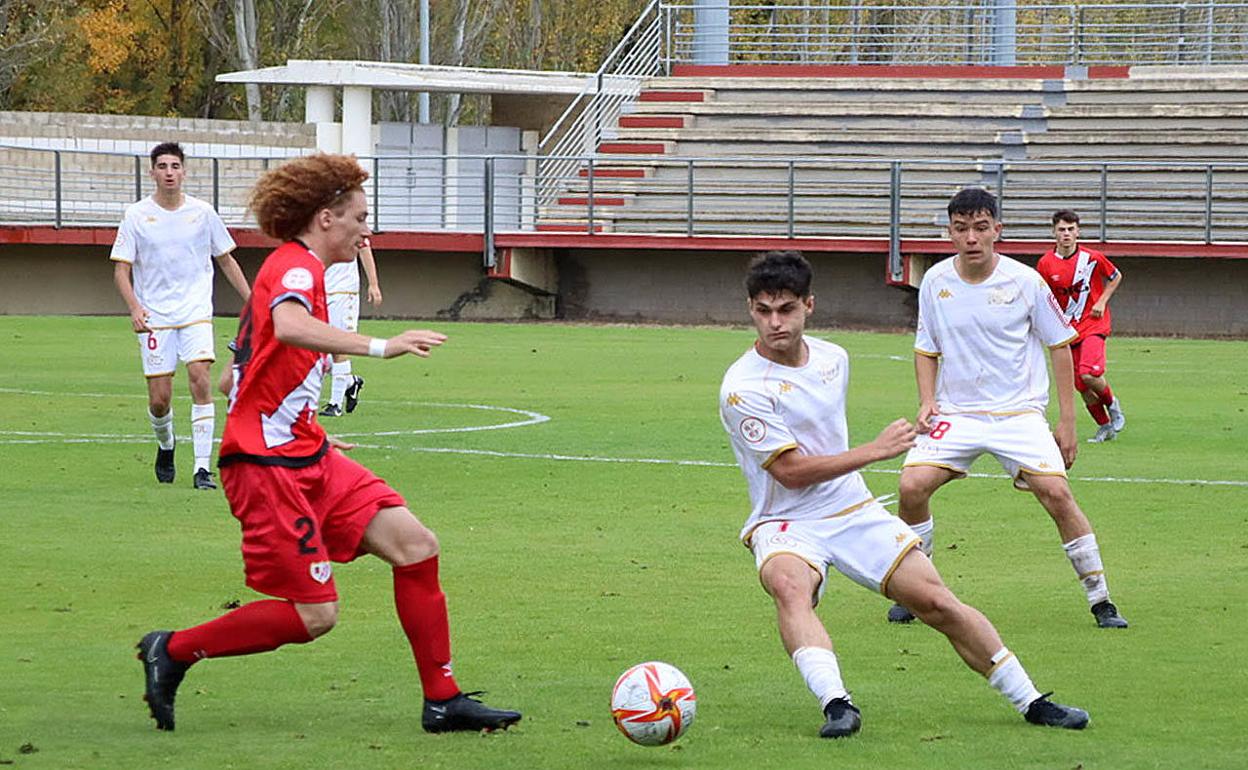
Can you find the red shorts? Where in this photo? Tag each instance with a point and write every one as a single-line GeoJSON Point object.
{"type": "Point", "coordinates": [1089, 357]}
{"type": "Point", "coordinates": [296, 521]}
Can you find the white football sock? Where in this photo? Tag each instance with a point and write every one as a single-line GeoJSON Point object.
{"type": "Point", "coordinates": [1008, 677]}
{"type": "Point", "coordinates": [163, 428]}
{"type": "Point", "coordinates": [819, 667]}
{"type": "Point", "coordinates": [341, 381]}
{"type": "Point", "coordinates": [1085, 557]}
{"type": "Point", "coordinates": [924, 531]}
{"type": "Point", "coordinates": [203, 423]}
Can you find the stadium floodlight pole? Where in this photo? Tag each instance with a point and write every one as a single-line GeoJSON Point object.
{"type": "Point", "coordinates": [1005, 33]}
{"type": "Point", "coordinates": [422, 99]}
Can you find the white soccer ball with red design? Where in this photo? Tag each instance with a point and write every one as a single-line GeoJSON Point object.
{"type": "Point", "coordinates": [653, 703]}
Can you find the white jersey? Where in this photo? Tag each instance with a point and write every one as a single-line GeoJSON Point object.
{"type": "Point", "coordinates": [991, 337]}
{"type": "Point", "coordinates": [343, 277]}
{"type": "Point", "coordinates": [172, 253]}
{"type": "Point", "coordinates": [769, 409]}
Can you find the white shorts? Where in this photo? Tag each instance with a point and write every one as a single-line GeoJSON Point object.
{"type": "Point", "coordinates": [344, 310]}
{"type": "Point", "coordinates": [1020, 442]}
{"type": "Point", "coordinates": [864, 546]}
{"type": "Point", "coordinates": [162, 349]}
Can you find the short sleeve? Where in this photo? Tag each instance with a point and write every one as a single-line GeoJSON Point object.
{"type": "Point", "coordinates": [296, 283]}
{"type": "Point", "coordinates": [924, 340]}
{"type": "Point", "coordinates": [222, 241]}
{"type": "Point", "coordinates": [751, 420]}
{"type": "Point", "coordinates": [126, 245]}
{"type": "Point", "coordinates": [1108, 270]}
{"type": "Point", "coordinates": [1047, 318]}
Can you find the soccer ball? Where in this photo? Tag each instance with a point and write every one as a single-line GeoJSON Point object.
{"type": "Point", "coordinates": [653, 703]}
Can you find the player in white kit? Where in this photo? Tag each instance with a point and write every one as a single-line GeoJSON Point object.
{"type": "Point", "coordinates": [342, 287]}
{"type": "Point", "coordinates": [985, 324]}
{"type": "Point", "coordinates": [162, 266]}
{"type": "Point", "coordinates": [783, 406]}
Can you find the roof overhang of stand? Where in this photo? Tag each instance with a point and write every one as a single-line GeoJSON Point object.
{"type": "Point", "coordinates": [392, 76]}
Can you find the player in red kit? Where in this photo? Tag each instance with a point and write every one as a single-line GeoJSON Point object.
{"type": "Point", "coordinates": [301, 503]}
{"type": "Point", "coordinates": [1083, 280]}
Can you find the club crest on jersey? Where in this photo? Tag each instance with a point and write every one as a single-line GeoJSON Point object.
{"type": "Point", "coordinates": [297, 279]}
{"type": "Point", "coordinates": [753, 429]}
{"type": "Point", "coordinates": [1002, 296]}
{"type": "Point", "coordinates": [321, 571]}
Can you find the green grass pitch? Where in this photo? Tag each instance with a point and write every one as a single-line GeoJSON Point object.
{"type": "Point", "coordinates": [576, 546]}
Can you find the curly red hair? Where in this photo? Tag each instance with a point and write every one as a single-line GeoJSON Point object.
{"type": "Point", "coordinates": [285, 199]}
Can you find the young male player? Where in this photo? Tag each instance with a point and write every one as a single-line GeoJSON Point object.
{"type": "Point", "coordinates": [984, 323]}
{"type": "Point", "coordinates": [342, 285]}
{"type": "Point", "coordinates": [301, 503]}
{"type": "Point", "coordinates": [165, 244]}
{"type": "Point", "coordinates": [783, 405]}
{"type": "Point", "coordinates": [1083, 280]}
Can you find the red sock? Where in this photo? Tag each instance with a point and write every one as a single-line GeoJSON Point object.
{"type": "Point", "coordinates": [422, 612]}
{"type": "Point", "coordinates": [256, 627]}
{"type": "Point", "coordinates": [1098, 413]}
{"type": "Point", "coordinates": [1107, 396]}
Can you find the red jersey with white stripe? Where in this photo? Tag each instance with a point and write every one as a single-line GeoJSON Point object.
{"type": "Point", "coordinates": [272, 412]}
{"type": "Point", "coordinates": [1078, 282]}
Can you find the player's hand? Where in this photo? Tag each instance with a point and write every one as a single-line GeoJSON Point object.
{"type": "Point", "coordinates": [923, 423]}
{"type": "Point", "coordinates": [138, 319]}
{"type": "Point", "coordinates": [898, 437]}
{"type": "Point", "coordinates": [417, 342]}
{"type": "Point", "coordinates": [1098, 310]}
{"type": "Point", "coordinates": [338, 443]}
{"type": "Point", "coordinates": [374, 295]}
{"type": "Point", "coordinates": [1067, 442]}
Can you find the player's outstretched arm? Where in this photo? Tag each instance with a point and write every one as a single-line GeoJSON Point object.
{"type": "Point", "coordinates": [370, 272]}
{"type": "Point", "coordinates": [795, 470]}
{"type": "Point", "coordinates": [138, 313]}
{"type": "Point", "coordinates": [294, 325]}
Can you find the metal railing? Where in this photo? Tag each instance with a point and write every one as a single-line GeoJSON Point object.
{"type": "Point", "coordinates": [1192, 202]}
{"type": "Point", "coordinates": [956, 34]}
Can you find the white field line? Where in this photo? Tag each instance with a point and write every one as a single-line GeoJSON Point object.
{"type": "Point", "coordinates": [533, 418]}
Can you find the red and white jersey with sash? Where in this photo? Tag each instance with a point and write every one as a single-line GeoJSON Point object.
{"type": "Point", "coordinates": [272, 411]}
{"type": "Point", "coordinates": [1078, 282]}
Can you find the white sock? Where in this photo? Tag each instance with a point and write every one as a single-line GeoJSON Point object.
{"type": "Point", "coordinates": [342, 380]}
{"type": "Point", "coordinates": [1008, 677]}
{"type": "Point", "coordinates": [924, 531]}
{"type": "Point", "coordinates": [203, 423]}
{"type": "Point", "coordinates": [1085, 557]}
{"type": "Point", "coordinates": [163, 428]}
{"type": "Point", "coordinates": [818, 666]}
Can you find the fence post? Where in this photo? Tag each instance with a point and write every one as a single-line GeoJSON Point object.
{"type": "Point", "coordinates": [1104, 233]}
{"type": "Point", "coordinates": [792, 228]}
{"type": "Point", "coordinates": [668, 55]}
{"type": "Point", "coordinates": [216, 184]}
{"type": "Point", "coordinates": [376, 194]}
{"type": "Point", "coordinates": [896, 268]}
{"type": "Point", "coordinates": [488, 213]}
{"type": "Point", "coordinates": [1078, 36]}
{"type": "Point", "coordinates": [689, 222]}
{"type": "Point", "coordinates": [589, 199]}
{"type": "Point", "coordinates": [1210, 28]}
{"type": "Point", "coordinates": [1001, 192]}
{"type": "Point", "coordinates": [1209, 203]}
{"type": "Point", "coordinates": [138, 177]}
{"type": "Point", "coordinates": [56, 163]}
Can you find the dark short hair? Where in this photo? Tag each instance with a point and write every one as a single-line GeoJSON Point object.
{"type": "Point", "coordinates": [970, 201]}
{"type": "Point", "coordinates": [1065, 215]}
{"type": "Point", "coordinates": [168, 148]}
{"type": "Point", "coordinates": [772, 272]}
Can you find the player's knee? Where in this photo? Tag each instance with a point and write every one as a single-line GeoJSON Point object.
{"type": "Point", "coordinates": [415, 545]}
{"type": "Point", "coordinates": [912, 492]}
{"type": "Point", "coordinates": [936, 607]}
{"type": "Point", "coordinates": [788, 589]}
{"type": "Point", "coordinates": [318, 619]}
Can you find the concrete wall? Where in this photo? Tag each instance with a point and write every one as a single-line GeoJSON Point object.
{"type": "Point", "coordinates": [1187, 297]}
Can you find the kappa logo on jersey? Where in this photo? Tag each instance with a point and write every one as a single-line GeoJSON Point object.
{"type": "Point", "coordinates": [901, 538]}
{"type": "Point", "coordinates": [753, 429]}
{"type": "Point", "coordinates": [945, 294]}
{"type": "Point", "coordinates": [321, 571]}
{"type": "Point", "coordinates": [786, 387]}
{"type": "Point", "coordinates": [297, 279]}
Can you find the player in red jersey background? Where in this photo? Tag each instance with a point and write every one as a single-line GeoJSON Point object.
{"type": "Point", "coordinates": [1083, 280]}
{"type": "Point", "coordinates": [301, 503]}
